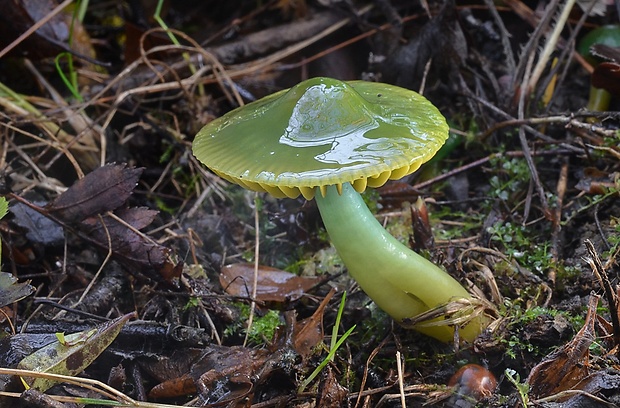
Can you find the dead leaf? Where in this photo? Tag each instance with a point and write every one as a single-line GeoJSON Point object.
{"type": "Point", "coordinates": [332, 394]}
{"type": "Point", "coordinates": [11, 291]}
{"type": "Point", "coordinates": [39, 228]}
{"type": "Point", "coordinates": [74, 354]}
{"type": "Point", "coordinates": [273, 285]}
{"type": "Point", "coordinates": [222, 375]}
{"type": "Point", "coordinates": [567, 367]}
{"type": "Point", "coordinates": [308, 333]}
{"type": "Point", "coordinates": [128, 246]}
{"type": "Point", "coordinates": [83, 207]}
{"type": "Point", "coordinates": [611, 54]}
{"type": "Point", "coordinates": [102, 190]}
{"type": "Point", "coordinates": [422, 233]}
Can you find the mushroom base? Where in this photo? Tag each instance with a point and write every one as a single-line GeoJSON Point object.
{"type": "Point", "coordinates": [398, 280]}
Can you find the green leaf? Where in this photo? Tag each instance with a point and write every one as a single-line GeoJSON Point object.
{"type": "Point", "coordinates": [4, 207]}
{"type": "Point", "coordinates": [74, 354]}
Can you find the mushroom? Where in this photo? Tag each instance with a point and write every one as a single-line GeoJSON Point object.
{"type": "Point", "coordinates": [327, 139]}
{"type": "Point", "coordinates": [608, 35]}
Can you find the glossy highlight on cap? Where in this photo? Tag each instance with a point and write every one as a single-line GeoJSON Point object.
{"type": "Point", "coordinates": [323, 132]}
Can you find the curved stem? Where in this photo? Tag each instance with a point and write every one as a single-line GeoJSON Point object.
{"type": "Point", "coordinates": [398, 280]}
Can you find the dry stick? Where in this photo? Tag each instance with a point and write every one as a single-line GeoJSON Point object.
{"type": "Point", "coordinates": [532, 44]}
{"type": "Point", "coordinates": [401, 386]}
{"type": "Point", "coordinates": [255, 277]}
{"type": "Point", "coordinates": [610, 294]}
{"type": "Point", "coordinates": [35, 27]}
{"type": "Point", "coordinates": [568, 52]}
{"type": "Point", "coordinates": [525, 147]}
{"type": "Point", "coordinates": [510, 60]}
{"type": "Point", "coordinates": [557, 218]}
{"type": "Point", "coordinates": [346, 43]}
{"type": "Point", "coordinates": [371, 356]}
{"type": "Point", "coordinates": [217, 69]}
{"type": "Point", "coordinates": [86, 130]}
{"type": "Point", "coordinates": [530, 129]}
{"type": "Point", "coordinates": [480, 162]}
{"type": "Point", "coordinates": [20, 106]}
{"type": "Point", "coordinates": [550, 46]}
{"type": "Point", "coordinates": [94, 385]}
{"type": "Point", "coordinates": [208, 56]}
{"type": "Point", "coordinates": [245, 69]}
{"type": "Point", "coordinates": [567, 120]}
{"type": "Point", "coordinates": [103, 264]}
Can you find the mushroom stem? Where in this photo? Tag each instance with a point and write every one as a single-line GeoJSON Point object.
{"type": "Point", "coordinates": [398, 280]}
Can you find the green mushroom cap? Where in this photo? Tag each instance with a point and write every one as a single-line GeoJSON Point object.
{"type": "Point", "coordinates": [323, 132]}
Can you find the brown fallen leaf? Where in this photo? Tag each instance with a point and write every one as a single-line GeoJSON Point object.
{"type": "Point", "coordinates": [331, 394]}
{"type": "Point", "coordinates": [85, 209]}
{"type": "Point", "coordinates": [595, 181]}
{"type": "Point", "coordinates": [567, 367]}
{"type": "Point", "coordinates": [128, 246]}
{"type": "Point", "coordinates": [422, 232]}
{"type": "Point", "coordinates": [308, 333]}
{"type": "Point", "coordinates": [222, 375]}
{"type": "Point", "coordinates": [103, 189]}
{"type": "Point", "coordinates": [273, 285]}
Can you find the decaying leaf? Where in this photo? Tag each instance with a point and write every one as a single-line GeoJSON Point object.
{"type": "Point", "coordinates": [11, 291]}
{"type": "Point", "coordinates": [273, 285]}
{"type": "Point", "coordinates": [308, 333]}
{"type": "Point", "coordinates": [566, 368]}
{"type": "Point", "coordinates": [440, 39]}
{"type": "Point", "coordinates": [129, 246]}
{"type": "Point", "coordinates": [595, 181]}
{"type": "Point", "coordinates": [71, 356]}
{"type": "Point", "coordinates": [221, 375]}
{"type": "Point", "coordinates": [332, 394]}
{"type": "Point", "coordinates": [422, 232]}
{"type": "Point", "coordinates": [40, 230]}
{"type": "Point", "coordinates": [84, 209]}
{"type": "Point", "coordinates": [103, 189]}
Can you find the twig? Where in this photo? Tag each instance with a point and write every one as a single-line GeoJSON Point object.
{"type": "Point", "coordinates": [255, 276]}
{"type": "Point", "coordinates": [510, 60]}
{"type": "Point", "coordinates": [524, 145]}
{"type": "Point", "coordinates": [612, 299]}
{"type": "Point", "coordinates": [401, 386]}
{"type": "Point", "coordinates": [549, 46]}
{"type": "Point", "coordinates": [103, 264]}
{"type": "Point", "coordinates": [482, 161]}
{"type": "Point", "coordinates": [557, 217]}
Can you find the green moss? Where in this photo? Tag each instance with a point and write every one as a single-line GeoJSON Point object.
{"type": "Point", "coordinates": [263, 327]}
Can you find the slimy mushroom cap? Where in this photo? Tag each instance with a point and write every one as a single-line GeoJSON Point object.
{"type": "Point", "coordinates": [323, 132]}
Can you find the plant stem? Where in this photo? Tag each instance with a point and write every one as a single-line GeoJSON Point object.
{"type": "Point", "coordinates": [398, 280]}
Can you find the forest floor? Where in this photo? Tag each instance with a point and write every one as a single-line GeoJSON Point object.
{"type": "Point", "coordinates": [114, 225]}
